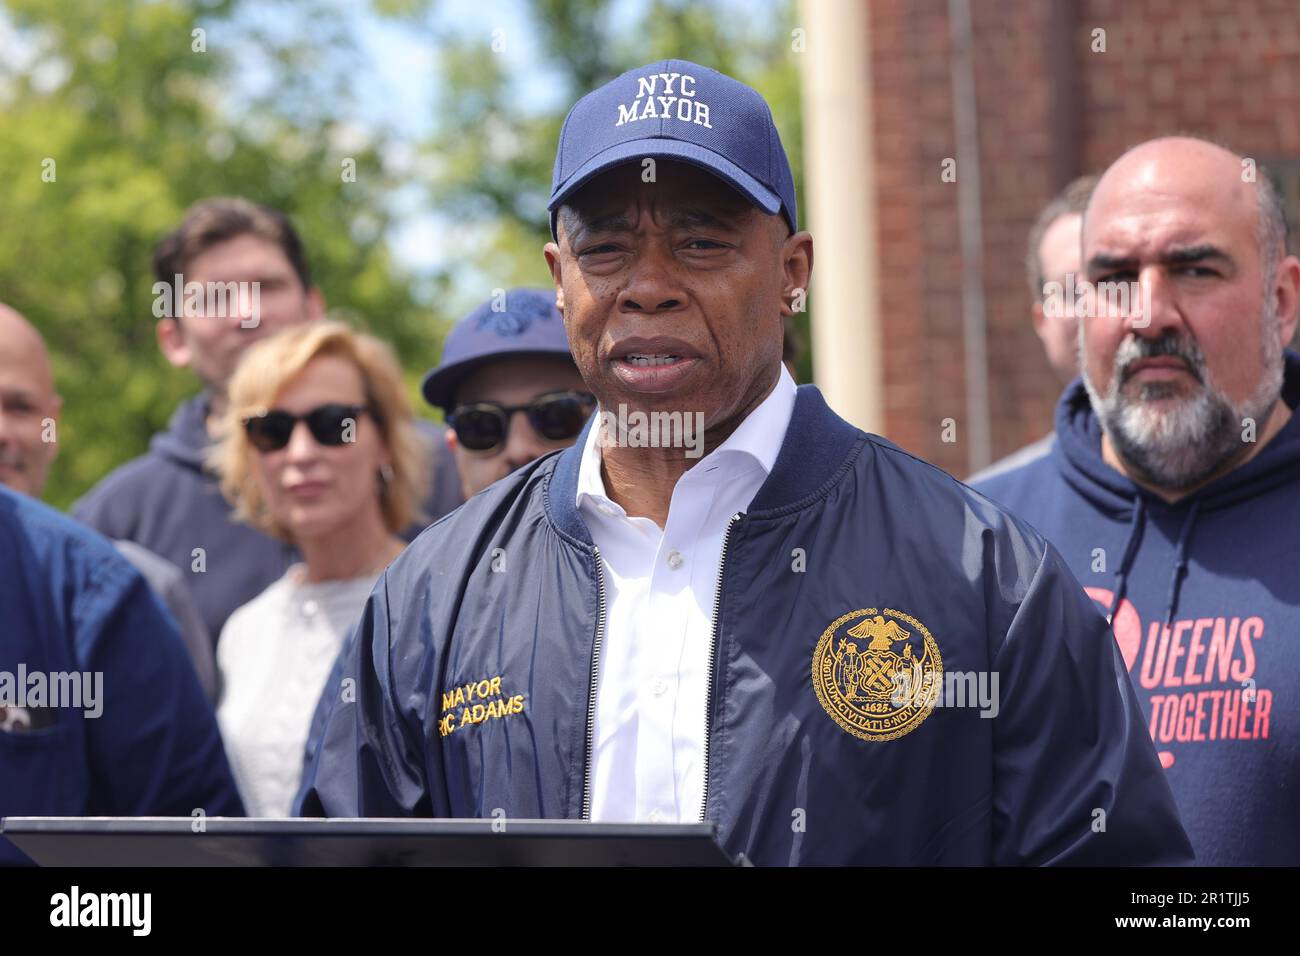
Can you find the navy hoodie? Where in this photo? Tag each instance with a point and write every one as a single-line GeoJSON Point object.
{"type": "Point", "coordinates": [1204, 597]}
{"type": "Point", "coordinates": [165, 501]}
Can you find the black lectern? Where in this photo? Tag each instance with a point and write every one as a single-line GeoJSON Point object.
{"type": "Point", "coordinates": [230, 841]}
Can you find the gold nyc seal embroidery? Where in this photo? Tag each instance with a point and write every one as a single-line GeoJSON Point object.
{"type": "Point", "coordinates": [873, 671]}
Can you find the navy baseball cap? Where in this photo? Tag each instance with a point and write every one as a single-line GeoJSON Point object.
{"type": "Point", "coordinates": [676, 109]}
{"type": "Point", "coordinates": [520, 323]}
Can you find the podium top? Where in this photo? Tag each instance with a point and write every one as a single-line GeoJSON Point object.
{"type": "Point", "coordinates": [232, 841]}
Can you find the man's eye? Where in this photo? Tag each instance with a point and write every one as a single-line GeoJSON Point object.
{"type": "Point", "coordinates": [704, 244]}
{"type": "Point", "coordinates": [1198, 272]}
{"type": "Point", "coordinates": [597, 250]}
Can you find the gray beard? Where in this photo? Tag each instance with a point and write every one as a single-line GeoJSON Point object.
{"type": "Point", "coordinates": [1180, 448]}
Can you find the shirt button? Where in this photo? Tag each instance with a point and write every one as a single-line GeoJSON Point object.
{"type": "Point", "coordinates": [659, 687]}
{"type": "Point", "coordinates": [310, 607]}
{"type": "Point", "coordinates": [656, 816]}
{"type": "Point", "coordinates": [674, 559]}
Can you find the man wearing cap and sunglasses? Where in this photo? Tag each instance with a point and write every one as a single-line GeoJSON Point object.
{"type": "Point", "coordinates": [765, 637]}
{"type": "Point", "coordinates": [508, 387]}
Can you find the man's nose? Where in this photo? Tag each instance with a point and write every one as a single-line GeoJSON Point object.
{"type": "Point", "coordinates": [523, 444]}
{"type": "Point", "coordinates": [1157, 310]}
{"type": "Point", "coordinates": [652, 286]}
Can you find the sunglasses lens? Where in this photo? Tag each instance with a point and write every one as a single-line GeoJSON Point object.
{"type": "Point", "coordinates": [477, 428]}
{"type": "Point", "coordinates": [333, 424]}
{"type": "Point", "coordinates": [560, 417]}
{"type": "Point", "coordinates": [269, 432]}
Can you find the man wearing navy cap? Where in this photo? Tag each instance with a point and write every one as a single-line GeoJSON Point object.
{"type": "Point", "coordinates": [832, 651]}
{"type": "Point", "coordinates": [508, 387]}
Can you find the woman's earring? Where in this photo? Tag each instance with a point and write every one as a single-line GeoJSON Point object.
{"type": "Point", "coordinates": [385, 477]}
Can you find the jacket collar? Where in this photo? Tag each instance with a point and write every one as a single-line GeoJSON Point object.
{"type": "Point", "coordinates": [816, 448]}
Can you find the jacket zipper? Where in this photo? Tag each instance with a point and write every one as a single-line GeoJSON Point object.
{"type": "Point", "coordinates": [713, 654]}
{"type": "Point", "coordinates": [591, 700]}
{"type": "Point", "coordinates": [595, 672]}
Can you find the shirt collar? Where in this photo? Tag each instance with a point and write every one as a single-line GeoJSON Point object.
{"type": "Point", "coordinates": [758, 438]}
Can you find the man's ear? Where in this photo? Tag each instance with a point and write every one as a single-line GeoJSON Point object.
{"type": "Point", "coordinates": [1286, 292]}
{"type": "Point", "coordinates": [450, 437]}
{"type": "Point", "coordinates": [796, 263]}
{"type": "Point", "coordinates": [552, 253]}
{"type": "Point", "coordinates": [1036, 310]}
{"type": "Point", "coordinates": [171, 342]}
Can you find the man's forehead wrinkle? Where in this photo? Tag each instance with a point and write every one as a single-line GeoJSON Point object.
{"type": "Point", "coordinates": [1197, 188]}
{"type": "Point", "coordinates": [676, 185]}
{"type": "Point", "coordinates": [685, 213]}
{"type": "Point", "coordinates": [717, 214]}
{"type": "Point", "coordinates": [1149, 230]}
{"type": "Point", "coordinates": [603, 222]}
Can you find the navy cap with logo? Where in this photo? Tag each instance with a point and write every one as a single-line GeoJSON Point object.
{"type": "Point", "coordinates": [521, 322]}
{"type": "Point", "coordinates": [678, 110]}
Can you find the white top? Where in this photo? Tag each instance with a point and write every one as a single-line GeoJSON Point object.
{"type": "Point", "coordinates": [652, 677]}
{"type": "Point", "coordinates": [274, 657]}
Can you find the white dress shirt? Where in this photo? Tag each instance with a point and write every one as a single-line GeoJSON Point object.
{"type": "Point", "coordinates": [652, 674]}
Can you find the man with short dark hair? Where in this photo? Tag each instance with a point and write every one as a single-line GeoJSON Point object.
{"type": "Point", "coordinates": [1174, 487]}
{"type": "Point", "coordinates": [766, 630]}
{"type": "Point", "coordinates": [249, 262]}
{"type": "Point", "coordinates": [1052, 262]}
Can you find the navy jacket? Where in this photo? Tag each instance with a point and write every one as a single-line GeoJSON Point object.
{"type": "Point", "coordinates": [1205, 599]}
{"type": "Point", "coordinates": [468, 686]}
{"type": "Point", "coordinates": [69, 603]}
{"type": "Point", "coordinates": [166, 502]}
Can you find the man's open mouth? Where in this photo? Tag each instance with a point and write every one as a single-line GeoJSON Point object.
{"type": "Point", "coordinates": [648, 360]}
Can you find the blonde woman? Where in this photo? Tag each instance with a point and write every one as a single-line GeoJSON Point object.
{"type": "Point", "coordinates": [317, 447]}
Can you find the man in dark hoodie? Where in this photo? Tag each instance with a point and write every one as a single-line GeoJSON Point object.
{"type": "Point", "coordinates": [164, 500]}
{"type": "Point", "coordinates": [1174, 489]}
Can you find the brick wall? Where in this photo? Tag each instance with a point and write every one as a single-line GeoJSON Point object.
{"type": "Point", "coordinates": [1049, 108]}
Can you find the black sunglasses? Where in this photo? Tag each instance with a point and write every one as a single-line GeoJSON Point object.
{"type": "Point", "coordinates": [272, 430]}
{"type": "Point", "coordinates": [556, 416]}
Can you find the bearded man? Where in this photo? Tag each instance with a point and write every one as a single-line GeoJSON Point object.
{"type": "Point", "coordinates": [1173, 491]}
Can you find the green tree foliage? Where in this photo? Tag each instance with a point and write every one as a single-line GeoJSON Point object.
{"type": "Point", "coordinates": [130, 112]}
